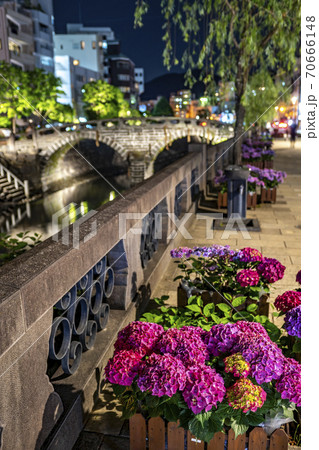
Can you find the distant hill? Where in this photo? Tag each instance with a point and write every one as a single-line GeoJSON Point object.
{"type": "Point", "coordinates": [164, 85]}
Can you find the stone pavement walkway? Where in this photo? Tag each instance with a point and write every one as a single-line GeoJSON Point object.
{"type": "Point", "coordinates": [280, 238]}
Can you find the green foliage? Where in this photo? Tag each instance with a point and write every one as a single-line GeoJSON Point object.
{"type": "Point", "coordinates": [261, 93]}
{"type": "Point", "coordinates": [104, 101]}
{"type": "Point", "coordinates": [11, 247]}
{"type": "Point", "coordinates": [162, 108]}
{"type": "Point", "coordinates": [23, 93]}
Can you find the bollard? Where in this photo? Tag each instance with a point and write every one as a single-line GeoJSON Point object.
{"type": "Point", "coordinates": [236, 190]}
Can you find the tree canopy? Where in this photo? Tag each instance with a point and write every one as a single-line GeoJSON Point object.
{"type": "Point", "coordinates": [162, 108]}
{"type": "Point", "coordinates": [231, 38]}
{"type": "Point", "coordinates": [104, 101]}
{"type": "Point", "coordinates": [27, 93]}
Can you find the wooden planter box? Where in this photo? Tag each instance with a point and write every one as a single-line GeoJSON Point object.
{"type": "Point", "coordinates": [251, 200]}
{"type": "Point", "coordinates": [214, 297]}
{"type": "Point", "coordinates": [222, 200]}
{"type": "Point", "coordinates": [268, 195]}
{"type": "Point", "coordinates": [156, 434]}
{"type": "Point", "coordinates": [268, 164]}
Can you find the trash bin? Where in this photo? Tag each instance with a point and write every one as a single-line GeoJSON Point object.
{"type": "Point", "coordinates": [236, 190]}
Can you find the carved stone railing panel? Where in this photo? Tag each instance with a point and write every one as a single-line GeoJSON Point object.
{"type": "Point", "coordinates": [80, 314]}
{"type": "Point", "coordinates": [149, 236]}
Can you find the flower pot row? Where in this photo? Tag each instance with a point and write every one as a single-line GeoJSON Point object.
{"type": "Point", "coordinates": [156, 434]}
{"type": "Point", "coordinates": [265, 164]}
{"type": "Point", "coordinates": [267, 195]}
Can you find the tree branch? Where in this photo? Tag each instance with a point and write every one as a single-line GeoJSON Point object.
{"type": "Point", "coordinates": [232, 23]}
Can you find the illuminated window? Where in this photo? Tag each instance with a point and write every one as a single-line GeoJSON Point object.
{"type": "Point", "coordinates": [94, 45]}
{"type": "Point", "coordinates": [82, 43]}
{"type": "Point", "coordinates": [100, 44]}
{"type": "Point", "coordinates": [14, 48]}
{"type": "Point", "coordinates": [76, 62]}
{"type": "Point", "coordinates": [0, 44]}
{"type": "Point", "coordinates": [124, 89]}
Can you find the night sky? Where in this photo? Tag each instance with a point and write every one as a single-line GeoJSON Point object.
{"type": "Point", "coordinates": [144, 45]}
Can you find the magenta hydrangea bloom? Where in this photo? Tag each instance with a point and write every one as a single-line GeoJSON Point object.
{"type": "Point", "coordinates": [162, 375]}
{"type": "Point", "coordinates": [204, 388]}
{"type": "Point", "coordinates": [186, 344]}
{"type": "Point", "coordinates": [246, 396]}
{"type": "Point", "coordinates": [298, 277]}
{"type": "Point", "coordinates": [236, 365]}
{"type": "Point", "coordinates": [247, 277]}
{"type": "Point", "coordinates": [293, 322]}
{"type": "Point", "coordinates": [123, 367]}
{"type": "Point", "coordinates": [287, 301]}
{"type": "Point", "coordinates": [248, 254]}
{"type": "Point", "coordinates": [248, 330]}
{"type": "Point", "coordinates": [289, 384]}
{"type": "Point", "coordinates": [271, 270]}
{"type": "Point", "coordinates": [139, 336]}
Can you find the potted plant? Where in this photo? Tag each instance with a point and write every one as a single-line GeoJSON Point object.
{"type": "Point", "coordinates": [252, 155]}
{"type": "Point", "coordinates": [268, 158]}
{"type": "Point", "coordinates": [222, 275]}
{"type": "Point", "coordinates": [220, 180]}
{"type": "Point", "coordinates": [271, 179]}
{"type": "Point", "coordinates": [231, 377]}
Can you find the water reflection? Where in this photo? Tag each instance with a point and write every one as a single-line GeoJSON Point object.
{"type": "Point", "coordinates": [73, 201]}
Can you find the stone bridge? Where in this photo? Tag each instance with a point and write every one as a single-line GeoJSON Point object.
{"type": "Point", "coordinates": [137, 140]}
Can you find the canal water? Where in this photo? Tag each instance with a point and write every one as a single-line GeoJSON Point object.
{"type": "Point", "coordinates": [67, 205]}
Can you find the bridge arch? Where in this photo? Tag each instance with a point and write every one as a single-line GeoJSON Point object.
{"type": "Point", "coordinates": [78, 156]}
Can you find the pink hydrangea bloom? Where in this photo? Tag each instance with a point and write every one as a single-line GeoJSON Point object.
{"type": "Point", "coordinates": [139, 336]}
{"type": "Point", "coordinates": [204, 388]}
{"type": "Point", "coordinates": [247, 277]}
{"type": "Point", "coordinates": [287, 301]}
{"type": "Point", "coordinates": [246, 396]}
{"type": "Point", "coordinates": [123, 367]}
{"type": "Point", "coordinates": [162, 375]}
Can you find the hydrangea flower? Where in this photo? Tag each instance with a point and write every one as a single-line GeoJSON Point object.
{"type": "Point", "coordinates": [222, 338]}
{"type": "Point", "coordinates": [123, 367]}
{"type": "Point", "coordinates": [236, 365]}
{"type": "Point", "coordinates": [180, 252]}
{"type": "Point", "coordinates": [162, 375]}
{"type": "Point", "coordinates": [247, 277]}
{"type": "Point", "coordinates": [185, 344]}
{"type": "Point", "coordinates": [139, 336]}
{"type": "Point", "coordinates": [287, 301]}
{"type": "Point", "coordinates": [293, 322]}
{"type": "Point", "coordinates": [246, 396]}
{"type": "Point", "coordinates": [271, 270]}
{"type": "Point", "coordinates": [298, 277]}
{"type": "Point", "coordinates": [204, 388]}
{"type": "Point", "coordinates": [264, 356]}
{"type": "Point", "coordinates": [248, 254]}
{"type": "Point", "coordinates": [289, 384]}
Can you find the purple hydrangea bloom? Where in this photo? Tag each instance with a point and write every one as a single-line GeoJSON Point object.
{"type": "Point", "coordinates": [222, 338]}
{"type": "Point", "coordinates": [185, 344]}
{"type": "Point", "coordinates": [180, 252]}
{"type": "Point", "coordinates": [123, 367]}
{"type": "Point", "coordinates": [293, 322]}
{"type": "Point", "coordinates": [204, 388]}
{"type": "Point", "coordinates": [289, 384]}
{"type": "Point", "coordinates": [139, 336]}
{"type": "Point", "coordinates": [247, 277]}
{"type": "Point", "coordinates": [271, 270]}
{"type": "Point", "coordinates": [162, 375]}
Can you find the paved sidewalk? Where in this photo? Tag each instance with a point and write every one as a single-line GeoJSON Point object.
{"type": "Point", "coordinates": [279, 238]}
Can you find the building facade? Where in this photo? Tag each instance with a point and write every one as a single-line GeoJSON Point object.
{"type": "Point", "coordinates": [86, 49]}
{"type": "Point", "coordinates": [16, 36]}
{"type": "Point", "coordinates": [73, 77]}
